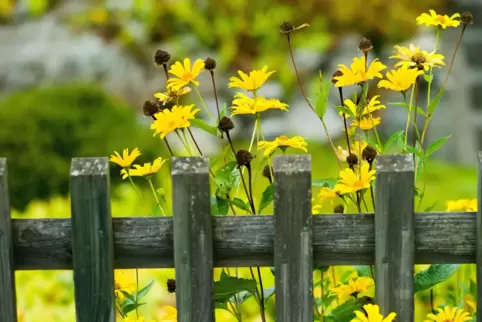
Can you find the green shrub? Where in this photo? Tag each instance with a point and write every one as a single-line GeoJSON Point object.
{"type": "Point", "coordinates": [42, 129]}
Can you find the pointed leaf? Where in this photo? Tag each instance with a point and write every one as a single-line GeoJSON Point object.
{"type": "Point", "coordinates": [324, 183]}
{"type": "Point", "coordinates": [227, 176]}
{"type": "Point", "coordinates": [144, 291]}
{"type": "Point", "coordinates": [322, 97]}
{"type": "Point", "coordinates": [240, 204]}
{"type": "Point", "coordinates": [228, 286]}
{"type": "Point", "coordinates": [364, 270]}
{"type": "Point", "coordinates": [345, 311]}
{"type": "Point", "coordinates": [428, 78]}
{"type": "Point", "coordinates": [267, 198]}
{"type": "Point", "coordinates": [437, 144]}
{"type": "Point", "coordinates": [200, 124]}
{"type": "Point", "coordinates": [130, 307]}
{"type": "Point", "coordinates": [434, 103]}
{"type": "Point", "coordinates": [129, 298]}
{"type": "Point", "coordinates": [344, 110]}
{"type": "Point", "coordinates": [392, 139]}
{"type": "Point", "coordinates": [430, 208]}
{"type": "Point", "coordinates": [219, 206]}
{"type": "Point", "coordinates": [434, 275]}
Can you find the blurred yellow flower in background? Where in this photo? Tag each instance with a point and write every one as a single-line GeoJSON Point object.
{"type": "Point", "coordinates": [401, 79]}
{"type": "Point", "coordinates": [168, 121]}
{"type": "Point", "coordinates": [171, 94]}
{"type": "Point", "coordinates": [170, 315]}
{"type": "Point", "coordinates": [433, 19]}
{"type": "Point", "coordinates": [185, 75]}
{"type": "Point", "coordinates": [358, 72]}
{"type": "Point", "coordinates": [470, 304]}
{"type": "Point", "coordinates": [282, 142]}
{"type": "Point", "coordinates": [140, 319]}
{"type": "Point", "coordinates": [366, 123]}
{"type": "Point", "coordinates": [124, 280]}
{"type": "Point", "coordinates": [462, 205]}
{"type": "Point", "coordinates": [353, 288]}
{"type": "Point", "coordinates": [414, 57]}
{"type": "Point", "coordinates": [371, 313]}
{"type": "Point", "coordinates": [243, 104]}
{"type": "Point", "coordinates": [353, 182]}
{"type": "Point", "coordinates": [251, 82]}
{"type": "Point", "coordinates": [449, 315]}
{"type": "Point", "coordinates": [146, 169]}
{"type": "Point", "coordinates": [126, 159]}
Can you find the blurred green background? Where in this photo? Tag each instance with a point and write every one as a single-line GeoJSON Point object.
{"type": "Point", "coordinates": [76, 73]}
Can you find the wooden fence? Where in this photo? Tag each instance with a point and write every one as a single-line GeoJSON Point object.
{"type": "Point", "coordinates": [293, 241]}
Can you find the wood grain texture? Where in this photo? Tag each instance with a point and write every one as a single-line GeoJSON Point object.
{"type": "Point", "coordinates": [193, 243]}
{"type": "Point", "coordinates": [293, 250]}
{"type": "Point", "coordinates": [394, 235]}
{"type": "Point", "coordinates": [338, 239]}
{"type": "Point", "coordinates": [8, 308]}
{"type": "Point", "coordinates": [478, 234]}
{"type": "Point", "coordinates": [92, 240]}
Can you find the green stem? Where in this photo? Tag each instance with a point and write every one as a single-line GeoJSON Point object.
{"type": "Point", "coordinates": [186, 146]}
{"type": "Point", "coordinates": [137, 292]}
{"type": "Point", "coordinates": [203, 103]}
{"type": "Point", "coordinates": [408, 118]}
{"type": "Point", "coordinates": [258, 117]}
{"type": "Point", "coordinates": [431, 71]}
{"type": "Point", "coordinates": [149, 179]}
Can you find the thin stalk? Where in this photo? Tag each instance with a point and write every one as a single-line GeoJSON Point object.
{"type": "Point", "coordinates": [250, 147]}
{"type": "Point", "coordinates": [186, 146]}
{"type": "Point", "coordinates": [340, 91]}
{"type": "Point", "coordinates": [437, 37]}
{"type": "Point", "coordinates": [194, 141]}
{"type": "Point", "coordinates": [415, 110]}
{"type": "Point", "coordinates": [431, 301]}
{"type": "Point", "coordinates": [261, 302]}
{"type": "Point", "coordinates": [408, 118]}
{"type": "Point", "coordinates": [217, 109]}
{"type": "Point", "coordinates": [203, 103]}
{"type": "Point", "coordinates": [137, 291]}
{"type": "Point", "coordinates": [136, 189]}
{"type": "Point", "coordinates": [379, 142]}
{"type": "Point", "coordinates": [168, 147]}
{"type": "Point", "coordinates": [417, 133]}
{"type": "Point", "coordinates": [322, 296]}
{"type": "Point", "coordinates": [149, 179]}
{"type": "Point", "coordinates": [269, 157]}
{"type": "Point", "coordinates": [165, 71]}
{"type": "Point", "coordinates": [371, 272]}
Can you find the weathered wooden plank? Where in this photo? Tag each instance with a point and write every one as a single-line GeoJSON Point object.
{"type": "Point", "coordinates": [293, 250]}
{"type": "Point", "coordinates": [478, 236]}
{"type": "Point", "coordinates": [193, 243]}
{"type": "Point", "coordinates": [146, 242]}
{"type": "Point", "coordinates": [92, 240]}
{"type": "Point", "coordinates": [8, 307]}
{"type": "Point", "coordinates": [394, 235]}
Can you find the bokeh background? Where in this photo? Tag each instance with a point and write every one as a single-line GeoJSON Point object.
{"type": "Point", "coordinates": [75, 73]}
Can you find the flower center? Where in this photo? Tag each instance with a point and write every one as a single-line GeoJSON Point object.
{"type": "Point", "coordinates": [440, 19]}
{"type": "Point", "coordinates": [283, 138]}
{"type": "Point", "coordinates": [419, 58]}
{"type": "Point", "coordinates": [187, 76]}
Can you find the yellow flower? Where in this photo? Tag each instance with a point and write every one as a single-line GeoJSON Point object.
{"type": "Point", "coordinates": [124, 280]}
{"type": "Point", "coordinates": [171, 94]}
{"type": "Point", "coordinates": [462, 205]}
{"type": "Point", "coordinates": [126, 159]}
{"type": "Point", "coordinates": [327, 194]}
{"type": "Point", "coordinates": [449, 315]}
{"type": "Point", "coordinates": [250, 82]}
{"type": "Point", "coordinates": [371, 106]}
{"type": "Point", "coordinates": [184, 73]}
{"type": "Point", "coordinates": [469, 303]}
{"type": "Point", "coordinates": [168, 121]}
{"type": "Point", "coordinates": [372, 315]}
{"type": "Point", "coordinates": [433, 19]}
{"type": "Point", "coordinates": [352, 182]}
{"type": "Point", "coordinates": [282, 142]}
{"type": "Point", "coordinates": [171, 314]}
{"type": "Point", "coordinates": [357, 148]}
{"type": "Point", "coordinates": [358, 72]}
{"type": "Point", "coordinates": [145, 170]}
{"type": "Point", "coordinates": [243, 104]}
{"type": "Point", "coordinates": [414, 57]}
{"type": "Point", "coordinates": [315, 209]}
{"type": "Point", "coordinates": [353, 288]}
{"type": "Point", "coordinates": [400, 79]}
{"type": "Point", "coordinates": [366, 123]}
{"type": "Point", "coordinates": [140, 319]}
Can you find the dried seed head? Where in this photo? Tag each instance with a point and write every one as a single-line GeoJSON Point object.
{"type": "Point", "coordinates": [286, 27]}
{"type": "Point", "coordinates": [267, 172]}
{"type": "Point", "coordinates": [339, 209]}
{"type": "Point", "coordinates": [369, 154]}
{"type": "Point", "coordinates": [209, 63]}
{"type": "Point", "coordinates": [150, 108]}
{"type": "Point", "coordinates": [365, 45]}
{"type": "Point", "coordinates": [225, 124]}
{"type": "Point", "coordinates": [244, 157]}
{"type": "Point", "coordinates": [352, 160]}
{"type": "Point", "coordinates": [161, 57]}
{"type": "Point", "coordinates": [171, 286]}
{"type": "Point", "coordinates": [338, 73]}
{"type": "Point", "coordinates": [466, 18]}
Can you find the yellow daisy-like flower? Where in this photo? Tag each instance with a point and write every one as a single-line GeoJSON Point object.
{"type": "Point", "coordinates": [462, 205]}
{"type": "Point", "coordinates": [126, 159]}
{"type": "Point", "coordinates": [251, 82]}
{"type": "Point", "coordinates": [433, 19]}
{"type": "Point", "coordinates": [372, 105]}
{"type": "Point", "coordinates": [124, 280]}
{"type": "Point", "coordinates": [401, 79]}
{"type": "Point", "coordinates": [168, 121]}
{"type": "Point", "coordinates": [358, 73]}
{"type": "Point", "coordinates": [282, 142]}
{"type": "Point", "coordinates": [171, 94]}
{"type": "Point", "coordinates": [449, 315]}
{"type": "Point", "coordinates": [416, 58]}
{"type": "Point", "coordinates": [353, 182]}
{"type": "Point", "coordinates": [353, 288]}
{"type": "Point", "coordinates": [242, 104]}
{"type": "Point", "coordinates": [170, 315]}
{"type": "Point", "coordinates": [366, 123]}
{"type": "Point", "coordinates": [327, 194]}
{"type": "Point", "coordinates": [145, 170]}
{"type": "Point", "coordinates": [184, 74]}
{"type": "Point", "coordinates": [372, 315]}
{"type": "Point", "coordinates": [140, 319]}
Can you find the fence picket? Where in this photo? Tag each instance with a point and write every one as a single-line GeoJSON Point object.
{"type": "Point", "coordinates": [8, 308]}
{"type": "Point", "coordinates": [92, 240]}
{"type": "Point", "coordinates": [293, 250]}
{"type": "Point", "coordinates": [193, 243]}
{"type": "Point", "coordinates": [478, 239]}
{"type": "Point", "coordinates": [394, 235]}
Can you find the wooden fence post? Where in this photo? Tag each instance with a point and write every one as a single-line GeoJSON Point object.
{"type": "Point", "coordinates": [193, 243]}
{"type": "Point", "coordinates": [92, 240]}
{"type": "Point", "coordinates": [293, 250]}
{"type": "Point", "coordinates": [8, 310]}
{"type": "Point", "coordinates": [394, 235]}
{"type": "Point", "coordinates": [478, 239]}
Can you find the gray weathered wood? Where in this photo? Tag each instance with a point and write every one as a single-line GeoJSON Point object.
{"type": "Point", "coordinates": [478, 234]}
{"type": "Point", "coordinates": [293, 250]}
{"type": "Point", "coordinates": [440, 238]}
{"type": "Point", "coordinates": [8, 308]}
{"type": "Point", "coordinates": [193, 243]}
{"type": "Point", "coordinates": [394, 235]}
{"type": "Point", "coordinates": [92, 240]}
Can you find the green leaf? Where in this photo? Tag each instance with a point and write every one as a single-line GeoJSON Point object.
{"type": "Point", "coordinates": [240, 204]}
{"type": "Point", "coordinates": [267, 198]}
{"type": "Point", "coordinates": [344, 312]}
{"type": "Point", "coordinates": [322, 97]}
{"type": "Point", "coordinates": [130, 307]}
{"type": "Point", "coordinates": [437, 144]}
{"type": "Point", "coordinates": [219, 206]}
{"type": "Point", "coordinates": [144, 291]}
{"type": "Point", "coordinates": [392, 139]}
{"type": "Point", "coordinates": [324, 183]}
{"type": "Point", "coordinates": [223, 111]}
{"type": "Point", "coordinates": [434, 275]}
{"type": "Point", "coordinates": [363, 270]}
{"type": "Point", "coordinates": [227, 176]}
{"type": "Point", "coordinates": [416, 151]}
{"type": "Point", "coordinates": [200, 124]}
{"type": "Point", "coordinates": [228, 286]}
{"type": "Point", "coordinates": [434, 103]}
{"type": "Point", "coordinates": [129, 298]}
{"type": "Point", "coordinates": [343, 109]}
{"type": "Point", "coordinates": [405, 106]}
{"type": "Point", "coordinates": [430, 208]}
{"type": "Point", "coordinates": [268, 292]}
{"type": "Point", "coordinates": [428, 78]}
